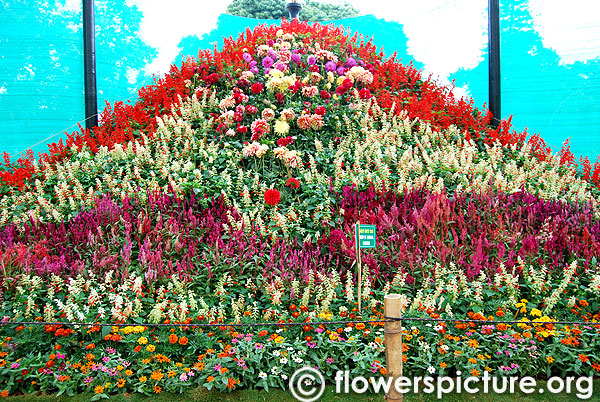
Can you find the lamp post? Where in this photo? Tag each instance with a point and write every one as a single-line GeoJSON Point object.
{"type": "Point", "coordinates": [293, 7]}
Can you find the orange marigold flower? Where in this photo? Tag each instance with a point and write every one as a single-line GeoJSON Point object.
{"type": "Point", "coordinates": [360, 326]}
{"type": "Point", "coordinates": [473, 343]}
{"type": "Point", "coordinates": [443, 365]}
{"type": "Point", "coordinates": [157, 389]}
{"type": "Point", "coordinates": [583, 303]}
{"type": "Point", "coordinates": [173, 338]}
{"type": "Point", "coordinates": [210, 378]}
{"type": "Point", "coordinates": [99, 389]}
{"type": "Point", "coordinates": [157, 375]}
{"type": "Point", "coordinates": [137, 348]}
{"type": "Point", "coordinates": [4, 394]}
{"type": "Point", "coordinates": [471, 360]}
{"type": "Point", "coordinates": [584, 358]}
{"type": "Point", "coordinates": [475, 373]}
{"type": "Point", "coordinates": [183, 341]}
{"type": "Point", "coordinates": [143, 378]}
{"type": "Point", "coordinates": [90, 346]}
{"type": "Point", "coordinates": [223, 370]}
{"type": "Point", "coordinates": [121, 382]}
{"type": "Point", "coordinates": [150, 348]}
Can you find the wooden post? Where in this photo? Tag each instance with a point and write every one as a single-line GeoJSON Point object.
{"type": "Point", "coordinates": [358, 263]}
{"type": "Point", "coordinates": [392, 307]}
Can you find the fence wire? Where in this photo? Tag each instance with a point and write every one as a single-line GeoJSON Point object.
{"type": "Point", "coordinates": [385, 319]}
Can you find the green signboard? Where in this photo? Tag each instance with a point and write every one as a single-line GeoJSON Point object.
{"type": "Point", "coordinates": [366, 236]}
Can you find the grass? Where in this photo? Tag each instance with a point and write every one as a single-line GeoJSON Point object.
{"type": "Point", "coordinates": [277, 395]}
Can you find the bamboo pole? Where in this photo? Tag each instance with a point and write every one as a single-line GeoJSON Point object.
{"type": "Point", "coordinates": [392, 307]}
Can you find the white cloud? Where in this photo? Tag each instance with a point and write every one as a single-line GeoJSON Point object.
{"type": "Point", "coordinates": [571, 29]}
{"type": "Point", "coordinates": [444, 35]}
{"type": "Point", "coordinates": [164, 24]}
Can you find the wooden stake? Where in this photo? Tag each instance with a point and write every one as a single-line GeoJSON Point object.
{"type": "Point", "coordinates": [392, 307]}
{"type": "Point", "coordinates": [358, 263]}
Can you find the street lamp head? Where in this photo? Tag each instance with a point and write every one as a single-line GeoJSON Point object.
{"type": "Point", "coordinates": [293, 7]}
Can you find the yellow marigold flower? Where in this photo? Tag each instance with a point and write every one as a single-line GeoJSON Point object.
{"type": "Point", "coordinates": [145, 361]}
{"type": "Point", "coordinates": [535, 312]}
{"type": "Point", "coordinates": [488, 369]}
{"type": "Point", "coordinates": [143, 340]}
{"type": "Point", "coordinates": [120, 367]}
{"type": "Point", "coordinates": [150, 348]}
{"type": "Point", "coordinates": [333, 336]}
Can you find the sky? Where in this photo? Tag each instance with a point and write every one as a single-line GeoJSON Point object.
{"type": "Point", "coordinates": [457, 41]}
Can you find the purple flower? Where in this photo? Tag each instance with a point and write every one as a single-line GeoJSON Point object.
{"type": "Point", "coordinates": [350, 62]}
{"type": "Point", "coordinates": [14, 365]}
{"type": "Point", "coordinates": [311, 60]}
{"type": "Point", "coordinates": [183, 377]}
{"type": "Point", "coordinates": [330, 66]}
{"type": "Point", "coordinates": [253, 64]}
{"type": "Point", "coordinates": [267, 62]}
{"type": "Point", "coordinates": [217, 367]}
{"type": "Point", "coordinates": [296, 58]}
{"type": "Point", "coordinates": [109, 350]}
{"type": "Point", "coordinates": [247, 57]}
{"type": "Point", "coordinates": [88, 380]}
{"type": "Point", "coordinates": [272, 54]}
{"type": "Point", "coordinates": [341, 70]}
{"type": "Point", "coordinates": [106, 359]}
{"type": "Point", "coordinates": [254, 70]}
{"type": "Point", "coordinates": [329, 360]}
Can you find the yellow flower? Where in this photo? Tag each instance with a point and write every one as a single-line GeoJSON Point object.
{"type": "Point", "coordinates": [150, 348]}
{"type": "Point", "coordinates": [281, 127]}
{"type": "Point", "coordinates": [143, 340]}
{"type": "Point", "coordinates": [99, 389]}
{"type": "Point", "coordinates": [128, 372]}
{"type": "Point", "coordinates": [488, 369]}
{"type": "Point", "coordinates": [143, 378]}
{"type": "Point", "coordinates": [550, 359]}
{"type": "Point", "coordinates": [120, 367]}
{"type": "Point", "coordinates": [333, 336]}
{"type": "Point", "coordinates": [121, 383]}
{"type": "Point", "coordinates": [535, 312]}
{"type": "Point", "coordinates": [145, 361]}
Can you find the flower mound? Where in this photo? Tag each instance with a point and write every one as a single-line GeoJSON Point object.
{"type": "Point", "coordinates": [228, 193]}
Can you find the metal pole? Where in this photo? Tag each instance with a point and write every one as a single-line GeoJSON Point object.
{"type": "Point", "coordinates": [494, 60]}
{"type": "Point", "coordinates": [89, 64]}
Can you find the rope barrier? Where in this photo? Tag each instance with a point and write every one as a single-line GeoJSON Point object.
{"type": "Point", "coordinates": [54, 135]}
{"type": "Point", "coordinates": [270, 323]}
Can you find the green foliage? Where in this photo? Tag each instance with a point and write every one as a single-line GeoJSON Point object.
{"type": "Point", "coordinates": [275, 9]}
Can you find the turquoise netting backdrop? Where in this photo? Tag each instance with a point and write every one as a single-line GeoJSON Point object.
{"type": "Point", "coordinates": [41, 71]}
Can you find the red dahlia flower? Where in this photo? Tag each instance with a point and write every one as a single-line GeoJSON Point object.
{"type": "Point", "coordinates": [292, 183]}
{"type": "Point", "coordinates": [320, 110]}
{"type": "Point", "coordinates": [272, 197]}
{"type": "Point", "coordinates": [256, 88]}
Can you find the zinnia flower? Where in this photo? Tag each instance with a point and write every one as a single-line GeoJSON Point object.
{"type": "Point", "coordinates": [272, 197]}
